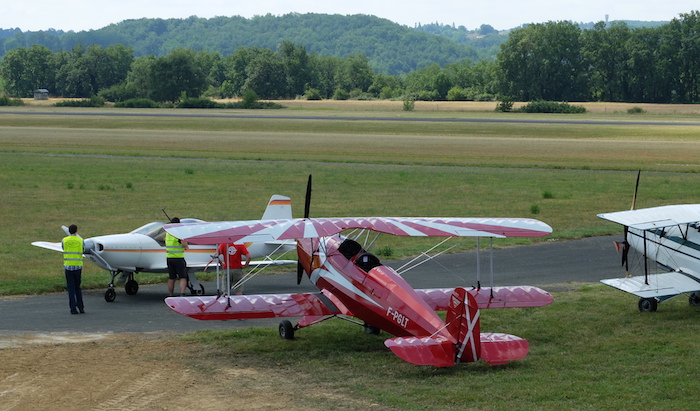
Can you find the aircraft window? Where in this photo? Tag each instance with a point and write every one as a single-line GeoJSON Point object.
{"type": "Point", "coordinates": [150, 229]}
{"type": "Point", "coordinates": [349, 248]}
{"type": "Point", "coordinates": [367, 262]}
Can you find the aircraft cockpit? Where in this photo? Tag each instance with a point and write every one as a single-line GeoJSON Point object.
{"type": "Point", "coordinates": [156, 231]}
{"type": "Point", "coordinates": [353, 251]}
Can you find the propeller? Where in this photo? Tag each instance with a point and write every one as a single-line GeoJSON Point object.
{"type": "Point", "coordinates": [307, 206]}
{"type": "Point", "coordinates": [625, 246]}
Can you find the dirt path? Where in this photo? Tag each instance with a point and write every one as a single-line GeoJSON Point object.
{"type": "Point", "coordinates": [142, 371]}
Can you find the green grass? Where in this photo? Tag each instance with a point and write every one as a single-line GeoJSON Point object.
{"type": "Point", "coordinates": [112, 174]}
{"type": "Point", "coordinates": [590, 349]}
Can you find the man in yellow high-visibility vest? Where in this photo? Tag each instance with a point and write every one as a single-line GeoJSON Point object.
{"type": "Point", "coordinates": [175, 257]}
{"type": "Point", "coordinates": [73, 267]}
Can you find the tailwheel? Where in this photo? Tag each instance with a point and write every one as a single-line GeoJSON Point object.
{"type": "Point", "coordinates": [286, 330]}
{"type": "Point", "coordinates": [648, 305]}
{"type": "Point", "coordinates": [110, 295]}
{"type": "Point", "coordinates": [131, 287]}
{"type": "Point", "coordinates": [694, 299]}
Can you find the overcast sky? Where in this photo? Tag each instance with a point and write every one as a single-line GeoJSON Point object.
{"type": "Point", "coordinates": [77, 15]}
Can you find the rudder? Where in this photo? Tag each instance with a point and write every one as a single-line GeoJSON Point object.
{"type": "Point", "coordinates": [463, 323]}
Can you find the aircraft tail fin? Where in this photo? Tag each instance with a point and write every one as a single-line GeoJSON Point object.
{"type": "Point", "coordinates": [463, 324]}
{"type": "Point", "coordinates": [278, 208]}
{"type": "Point", "coordinates": [465, 342]}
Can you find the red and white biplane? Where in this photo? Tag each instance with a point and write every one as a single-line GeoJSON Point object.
{"type": "Point", "coordinates": [353, 284]}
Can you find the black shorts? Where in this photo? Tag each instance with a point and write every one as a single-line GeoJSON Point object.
{"type": "Point", "coordinates": [177, 268]}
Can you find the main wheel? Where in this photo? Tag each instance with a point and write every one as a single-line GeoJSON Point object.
{"type": "Point", "coordinates": [370, 329]}
{"type": "Point", "coordinates": [131, 287]}
{"type": "Point", "coordinates": [110, 295]}
{"type": "Point", "coordinates": [200, 291]}
{"type": "Point", "coordinates": [286, 330]}
{"type": "Point", "coordinates": [694, 299]}
{"type": "Point", "coordinates": [648, 305]}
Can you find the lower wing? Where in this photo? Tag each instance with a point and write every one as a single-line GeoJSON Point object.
{"type": "Point", "coordinates": [491, 297]}
{"type": "Point", "coordinates": [239, 307]}
{"type": "Point", "coordinates": [661, 286]}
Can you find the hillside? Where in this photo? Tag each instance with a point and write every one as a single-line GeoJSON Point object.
{"type": "Point", "coordinates": [390, 47]}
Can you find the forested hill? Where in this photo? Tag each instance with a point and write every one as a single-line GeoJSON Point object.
{"type": "Point", "coordinates": [390, 47]}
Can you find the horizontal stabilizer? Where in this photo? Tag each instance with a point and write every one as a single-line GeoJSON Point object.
{"type": "Point", "coordinates": [435, 351]}
{"type": "Point", "coordinates": [661, 286]}
{"type": "Point", "coordinates": [490, 297]}
{"type": "Point", "coordinates": [240, 307]}
{"type": "Point", "coordinates": [497, 348]}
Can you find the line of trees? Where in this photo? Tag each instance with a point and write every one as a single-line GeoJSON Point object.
{"type": "Point", "coordinates": [550, 61]}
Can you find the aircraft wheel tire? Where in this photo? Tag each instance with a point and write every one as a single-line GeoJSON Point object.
{"type": "Point", "coordinates": [370, 329]}
{"type": "Point", "coordinates": [131, 287]}
{"type": "Point", "coordinates": [694, 299]}
{"type": "Point", "coordinates": [648, 305]}
{"type": "Point", "coordinates": [286, 330]}
{"type": "Point", "coordinates": [200, 291]}
{"type": "Point", "coordinates": [110, 295]}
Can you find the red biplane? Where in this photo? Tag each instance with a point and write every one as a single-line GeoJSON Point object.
{"type": "Point", "coordinates": [353, 284]}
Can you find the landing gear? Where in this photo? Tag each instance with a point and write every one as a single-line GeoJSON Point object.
{"type": "Point", "coordinates": [694, 299]}
{"type": "Point", "coordinates": [196, 291]}
{"type": "Point", "coordinates": [110, 295]}
{"type": "Point", "coordinates": [648, 305]}
{"type": "Point", "coordinates": [370, 329]}
{"type": "Point", "coordinates": [286, 330]}
{"type": "Point", "coordinates": [131, 287]}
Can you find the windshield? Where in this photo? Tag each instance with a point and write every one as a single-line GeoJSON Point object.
{"type": "Point", "coordinates": [155, 230]}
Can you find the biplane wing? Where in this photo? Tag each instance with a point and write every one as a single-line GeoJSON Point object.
{"type": "Point", "coordinates": [240, 307]}
{"type": "Point", "coordinates": [655, 217]}
{"type": "Point", "coordinates": [232, 231]}
{"type": "Point", "coordinates": [661, 286]}
{"type": "Point", "coordinates": [490, 297]}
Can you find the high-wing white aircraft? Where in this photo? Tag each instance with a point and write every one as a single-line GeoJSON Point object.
{"type": "Point", "coordinates": [143, 250]}
{"type": "Point", "coordinates": [669, 236]}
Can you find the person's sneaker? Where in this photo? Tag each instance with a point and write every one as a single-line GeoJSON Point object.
{"type": "Point", "coordinates": [74, 312]}
{"type": "Point", "coordinates": [82, 311]}
{"type": "Point", "coordinates": [183, 295]}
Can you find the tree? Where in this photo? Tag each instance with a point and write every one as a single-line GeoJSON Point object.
{"type": "Point", "coordinates": [296, 67]}
{"type": "Point", "coordinates": [265, 75]}
{"type": "Point", "coordinates": [606, 53]}
{"type": "Point", "coordinates": [175, 74]}
{"type": "Point", "coordinates": [543, 61]}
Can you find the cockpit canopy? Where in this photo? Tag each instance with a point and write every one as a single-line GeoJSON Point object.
{"type": "Point", "coordinates": [156, 231]}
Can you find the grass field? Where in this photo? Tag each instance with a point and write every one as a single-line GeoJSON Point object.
{"type": "Point", "coordinates": [111, 174]}
{"type": "Point", "coordinates": [591, 349]}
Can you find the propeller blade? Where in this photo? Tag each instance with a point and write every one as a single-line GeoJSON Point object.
{"type": "Point", "coordinates": [65, 230]}
{"type": "Point", "coordinates": [307, 204]}
{"type": "Point", "coordinates": [636, 187]}
{"type": "Point", "coordinates": [300, 273]}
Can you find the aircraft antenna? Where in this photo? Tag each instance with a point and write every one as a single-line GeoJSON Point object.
{"type": "Point", "coordinates": [166, 214]}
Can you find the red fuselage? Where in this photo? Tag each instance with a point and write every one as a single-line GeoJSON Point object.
{"type": "Point", "coordinates": [357, 283]}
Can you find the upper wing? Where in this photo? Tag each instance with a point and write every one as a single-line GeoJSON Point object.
{"type": "Point", "coordinates": [240, 307]}
{"type": "Point", "coordinates": [266, 230]}
{"type": "Point", "coordinates": [655, 217]}
{"type": "Point", "coordinates": [661, 286]}
{"type": "Point", "coordinates": [496, 297]}
{"type": "Point", "coordinates": [49, 246]}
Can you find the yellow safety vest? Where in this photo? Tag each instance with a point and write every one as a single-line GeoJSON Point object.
{"type": "Point", "coordinates": [73, 251]}
{"type": "Point", "coordinates": [173, 248]}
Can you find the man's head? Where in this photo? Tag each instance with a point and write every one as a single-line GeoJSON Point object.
{"type": "Point", "coordinates": [174, 220]}
{"type": "Point", "coordinates": [73, 229]}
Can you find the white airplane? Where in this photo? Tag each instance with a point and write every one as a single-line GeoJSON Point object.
{"type": "Point", "coordinates": [668, 236]}
{"type": "Point", "coordinates": [143, 250]}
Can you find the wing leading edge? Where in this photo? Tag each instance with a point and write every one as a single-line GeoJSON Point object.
{"type": "Point", "coordinates": [257, 230]}
{"type": "Point", "coordinates": [655, 217]}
